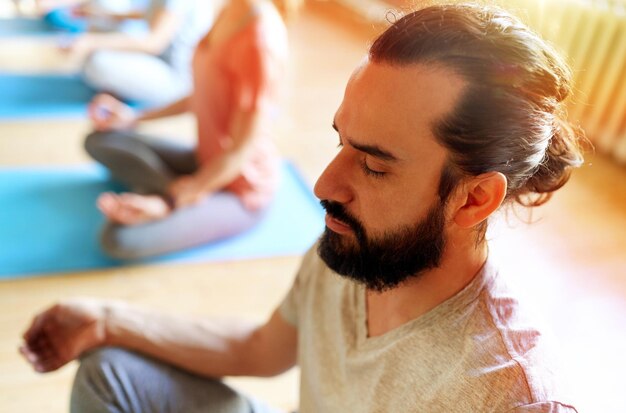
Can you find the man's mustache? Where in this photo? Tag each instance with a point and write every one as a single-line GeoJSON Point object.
{"type": "Point", "coordinates": [338, 211]}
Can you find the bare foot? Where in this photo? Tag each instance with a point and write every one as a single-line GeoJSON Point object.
{"type": "Point", "coordinates": [132, 209]}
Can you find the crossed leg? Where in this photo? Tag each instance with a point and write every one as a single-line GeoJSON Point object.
{"type": "Point", "coordinates": [113, 380]}
{"type": "Point", "coordinates": [141, 223]}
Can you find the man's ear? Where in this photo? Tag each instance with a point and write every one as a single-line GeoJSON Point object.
{"type": "Point", "coordinates": [479, 198]}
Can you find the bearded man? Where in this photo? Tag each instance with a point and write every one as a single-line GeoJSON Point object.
{"type": "Point", "coordinates": [455, 112]}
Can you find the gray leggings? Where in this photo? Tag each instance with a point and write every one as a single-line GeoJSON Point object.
{"type": "Point", "coordinates": [135, 76]}
{"type": "Point", "coordinates": [147, 165]}
{"type": "Point", "coordinates": [112, 380]}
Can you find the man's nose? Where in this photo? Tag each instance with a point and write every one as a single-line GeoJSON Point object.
{"type": "Point", "coordinates": [333, 183]}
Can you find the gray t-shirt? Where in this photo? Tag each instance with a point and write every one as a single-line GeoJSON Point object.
{"type": "Point", "coordinates": [476, 352]}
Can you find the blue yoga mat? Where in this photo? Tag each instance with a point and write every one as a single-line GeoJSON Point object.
{"type": "Point", "coordinates": [43, 96]}
{"type": "Point", "coordinates": [49, 223]}
{"type": "Point", "coordinates": [62, 22]}
{"type": "Point", "coordinates": [23, 26]}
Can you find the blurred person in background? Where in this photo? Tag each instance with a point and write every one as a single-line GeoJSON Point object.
{"type": "Point", "coordinates": [77, 16]}
{"type": "Point", "coordinates": [456, 112]}
{"type": "Point", "coordinates": [148, 66]}
{"type": "Point", "coordinates": [187, 195]}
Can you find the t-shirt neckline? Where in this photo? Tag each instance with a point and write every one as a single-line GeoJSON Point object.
{"type": "Point", "coordinates": [460, 300]}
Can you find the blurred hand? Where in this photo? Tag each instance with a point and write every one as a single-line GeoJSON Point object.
{"type": "Point", "coordinates": [107, 112]}
{"type": "Point", "coordinates": [63, 332]}
{"type": "Point", "coordinates": [186, 190]}
{"type": "Point", "coordinates": [78, 48]}
{"type": "Point", "coordinates": [88, 10]}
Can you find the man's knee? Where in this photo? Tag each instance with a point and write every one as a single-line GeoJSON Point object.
{"type": "Point", "coordinates": [94, 385]}
{"type": "Point", "coordinates": [117, 380]}
{"type": "Point", "coordinates": [94, 362]}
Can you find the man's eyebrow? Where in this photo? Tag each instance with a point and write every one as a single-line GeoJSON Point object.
{"type": "Point", "coordinates": [373, 150]}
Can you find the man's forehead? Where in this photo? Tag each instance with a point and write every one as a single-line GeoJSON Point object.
{"type": "Point", "coordinates": [383, 100]}
{"type": "Point", "coordinates": [420, 89]}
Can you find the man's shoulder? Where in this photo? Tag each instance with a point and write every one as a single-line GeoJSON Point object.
{"type": "Point", "coordinates": [508, 350]}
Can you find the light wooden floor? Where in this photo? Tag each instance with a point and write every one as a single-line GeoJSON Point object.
{"type": "Point", "coordinates": [571, 263]}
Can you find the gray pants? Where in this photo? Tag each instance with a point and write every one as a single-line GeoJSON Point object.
{"type": "Point", "coordinates": [137, 77]}
{"type": "Point", "coordinates": [112, 380]}
{"type": "Point", "coordinates": [148, 166]}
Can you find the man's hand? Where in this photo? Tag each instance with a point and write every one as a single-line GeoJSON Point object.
{"type": "Point", "coordinates": [107, 112]}
{"type": "Point", "coordinates": [63, 332]}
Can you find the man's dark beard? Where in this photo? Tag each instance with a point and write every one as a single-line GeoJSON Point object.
{"type": "Point", "coordinates": [383, 263]}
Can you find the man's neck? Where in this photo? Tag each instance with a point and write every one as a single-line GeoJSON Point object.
{"type": "Point", "coordinates": [414, 298]}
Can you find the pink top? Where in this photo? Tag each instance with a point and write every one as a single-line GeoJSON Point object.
{"type": "Point", "coordinates": [243, 72]}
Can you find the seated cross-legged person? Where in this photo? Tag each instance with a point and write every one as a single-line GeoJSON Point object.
{"type": "Point", "coordinates": [150, 66]}
{"type": "Point", "coordinates": [183, 196]}
{"type": "Point", "coordinates": [455, 113]}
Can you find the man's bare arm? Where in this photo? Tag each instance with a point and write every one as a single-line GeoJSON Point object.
{"type": "Point", "coordinates": [213, 348]}
{"type": "Point", "coordinates": [210, 348]}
